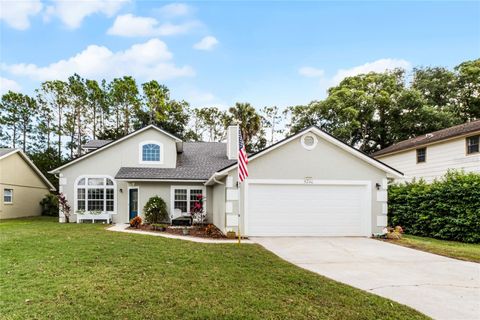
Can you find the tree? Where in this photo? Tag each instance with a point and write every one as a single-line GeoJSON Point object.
{"type": "Point", "coordinates": [271, 117]}
{"type": "Point", "coordinates": [125, 102]}
{"type": "Point", "coordinates": [44, 123]}
{"type": "Point", "coordinates": [156, 97]}
{"type": "Point", "coordinates": [46, 160]}
{"type": "Point", "coordinates": [26, 112]}
{"type": "Point", "coordinates": [436, 85]}
{"type": "Point", "coordinates": [468, 90]}
{"type": "Point", "coordinates": [78, 103]}
{"type": "Point", "coordinates": [9, 117]}
{"type": "Point", "coordinates": [212, 121]}
{"type": "Point", "coordinates": [250, 125]}
{"type": "Point", "coordinates": [55, 95]}
{"type": "Point", "coordinates": [372, 111]}
{"type": "Point", "coordinates": [96, 105]}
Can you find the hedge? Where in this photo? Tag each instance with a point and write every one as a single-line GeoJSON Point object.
{"type": "Point", "coordinates": [447, 209]}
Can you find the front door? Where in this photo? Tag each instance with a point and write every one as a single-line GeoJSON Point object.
{"type": "Point", "coordinates": [133, 203]}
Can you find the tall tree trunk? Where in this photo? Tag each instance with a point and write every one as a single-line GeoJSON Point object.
{"type": "Point", "coordinates": [79, 133]}
{"type": "Point", "coordinates": [48, 133]}
{"type": "Point", "coordinates": [72, 138]}
{"type": "Point", "coordinates": [59, 136]}
{"type": "Point", "coordinates": [273, 130]}
{"type": "Point", "coordinates": [117, 120]}
{"type": "Point", "coordinates": [94, 122]}
{"type": "Point", "coordinates": [24, 137]}
{"type": "Point", "coordinates": [14, 135]}
{"type": "Point", "coordinates": [127, 120]}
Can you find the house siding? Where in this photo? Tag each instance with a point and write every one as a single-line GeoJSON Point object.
{"type": "Point", "coordinates": [441, 157]}
{"type": "Point", "coordinates": [109, 161]}
{"type": "Point", "coordinates": [325, 162]}
{"type": "Point", "coordinates": [218, 206]}
{"type": "Point", "coordinates": [28, 188]}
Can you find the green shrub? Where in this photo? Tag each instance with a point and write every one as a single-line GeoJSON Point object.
{"type": "Point", "coordinates": [155, 210]}
{"type": "Point", "coordinates": [446, 209]}
{"type": "Point", "coordinates": [49, 205]}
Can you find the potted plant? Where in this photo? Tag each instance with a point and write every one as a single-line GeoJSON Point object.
{"type": "Point", "coordinates": [231, 234]}
{"type": "Point", "coordinates": [186, 231]}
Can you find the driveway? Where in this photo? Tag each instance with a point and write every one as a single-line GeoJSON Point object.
{"type": "Point", "coordinates": [439, 287]}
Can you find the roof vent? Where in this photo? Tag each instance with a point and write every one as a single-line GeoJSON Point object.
{"type": "Point", "coordinates": [429, 135]}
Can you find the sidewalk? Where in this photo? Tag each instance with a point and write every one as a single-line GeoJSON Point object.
{"type": "Point", "coordinates": [124, 228]}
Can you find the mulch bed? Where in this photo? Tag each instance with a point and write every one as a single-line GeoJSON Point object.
{"type": "Point", "coordinates": [208, 231]}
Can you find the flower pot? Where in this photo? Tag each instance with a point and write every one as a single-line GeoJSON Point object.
{"type": "Point", "coordinates": [186, 232]}
{"type": "Point", "coordinates": [231, 235]}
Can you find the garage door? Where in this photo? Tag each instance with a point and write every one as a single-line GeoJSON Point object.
{"type": "Point", "coordinates": [307, 210]}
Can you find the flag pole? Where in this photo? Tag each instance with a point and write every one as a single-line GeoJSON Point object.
{"type": "Point", "coordinates": [239, 184]}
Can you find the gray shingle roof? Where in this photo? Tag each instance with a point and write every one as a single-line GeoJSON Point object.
{"type": "Point", "coordinates": [198, 161]}
{"type": "Point", "coordinates": [455, 131]}
{"type": "Point", "coordinates": [96, 143]}
{"type": "Point", "coordinates": [4, 151]}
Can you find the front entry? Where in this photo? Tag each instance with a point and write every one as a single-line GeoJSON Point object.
{"type": "Point", "coordinates": [132, 203]}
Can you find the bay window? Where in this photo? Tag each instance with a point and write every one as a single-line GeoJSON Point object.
{"type": "Point", "coordinates": [95, 194]}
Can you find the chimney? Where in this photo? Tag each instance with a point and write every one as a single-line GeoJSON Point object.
{"type": "Point", "coordinates": [232, 142]}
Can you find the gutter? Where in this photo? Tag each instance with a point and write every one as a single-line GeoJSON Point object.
{"type": "Point", "coordinates": [214, 179]}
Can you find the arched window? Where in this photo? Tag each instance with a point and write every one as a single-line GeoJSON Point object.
{"type": "Point", "coordinates": [151, 152]}
{"type": "Point", "coordinates": [95, 193]}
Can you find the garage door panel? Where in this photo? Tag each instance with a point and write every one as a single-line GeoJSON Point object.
{"type": "Point", "coordinates": [305, 210]}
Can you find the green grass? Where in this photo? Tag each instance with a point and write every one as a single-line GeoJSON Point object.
{"type": "Point", "coordinates": [452, 249]}
{"type": "Point", "coordinates": [69, 271]}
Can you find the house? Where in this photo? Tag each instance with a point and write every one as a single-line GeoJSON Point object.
{"type": "Point", "coordinates": [430, 156]}
{"type": "Point", "coordinates": [22, 185]}
{"type": "Point", "coordinates": [309, 184]}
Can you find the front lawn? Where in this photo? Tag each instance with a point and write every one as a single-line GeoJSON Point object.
{"type": "Point", "coordinates": [452, 249]}
{"type": "Point", "coordinates": [70, 271]}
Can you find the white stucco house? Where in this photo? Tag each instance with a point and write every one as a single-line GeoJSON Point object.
{"type": "Point", "coordinates": [309, 184]}
{"type": "Point", "coordinates": [430, 156]}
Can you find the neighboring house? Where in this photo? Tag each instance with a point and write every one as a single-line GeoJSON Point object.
{"type": "Point", "coordinates": [22, 185]}
{"type": "Point", "coordinates": [309, 184]}
{"type": "Point", "coordinates": [430, 156]}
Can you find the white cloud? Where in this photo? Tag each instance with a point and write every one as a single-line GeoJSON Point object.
{"type": "Point", "coordinates": [207, 43]}
{"type": "Point", "coordinates": [17, 13]}
{"type": "Point", "coordinates": [129, 25]}
{"type": "Point", "coordinates": [72, 13]}
{"type": "Point", "coordinates": [8, 85]}
{"type": "Point", "coordinates": [148, 60]}
{"type": "Point", "coordinates": [175, 10]}
{"type": "Point", "coordinates": [311, 72]}
{"type": "Point", "coordinates": [380, 65]}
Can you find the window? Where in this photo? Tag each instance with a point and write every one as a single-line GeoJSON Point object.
{"type": "Point", "coordinates": [309, 141]}
{"type": "Point", "coordinates": [151, 152]}
{"type": "Point", "coordinates": [95, 194]}
{"type": "Point", "coordinates": [473, 144]}
{"type": "Point", "coordinates": [8, 195]}
{"type": "Point", "coordinates": [185, 198]}
{"type": "Point", "coordinates": [421, 155]}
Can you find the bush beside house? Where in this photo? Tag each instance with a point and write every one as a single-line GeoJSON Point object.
{"type": "Point", "coordinates": [155, 210]}
{"type": "Point", "coordinates": [49, 205]}
{"type": "Point", "coordinates": [446, 209]}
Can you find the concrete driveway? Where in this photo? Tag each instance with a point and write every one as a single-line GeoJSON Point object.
{"type": "Point", "coordinates": [439, 287]}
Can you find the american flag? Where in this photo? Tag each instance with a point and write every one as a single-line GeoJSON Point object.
{"type": "Point", "coordinates": [242, 159]}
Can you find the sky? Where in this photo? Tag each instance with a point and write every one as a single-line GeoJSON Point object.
{"type": "Point", "coordinates": [218, 53]}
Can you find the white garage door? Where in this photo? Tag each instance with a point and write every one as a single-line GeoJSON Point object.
{"type": "Point", "coordinates": [307, 210]}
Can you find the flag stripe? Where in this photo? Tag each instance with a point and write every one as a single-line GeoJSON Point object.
{"type": "Point", "coordinates": [242, 159]}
